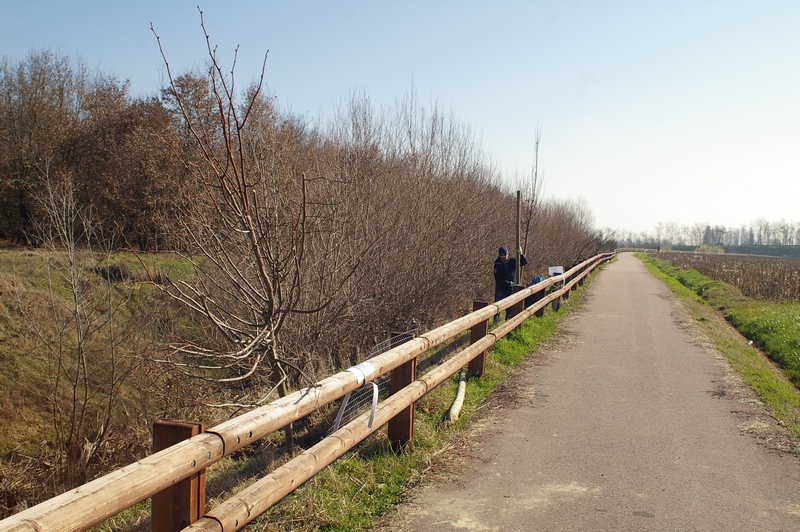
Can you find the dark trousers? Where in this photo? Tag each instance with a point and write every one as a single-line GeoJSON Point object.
{"type": "Point", "coordinates": [500, 293]}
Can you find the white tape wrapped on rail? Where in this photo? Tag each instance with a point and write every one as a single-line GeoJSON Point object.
{"type": "Point", "coordinates": [362, 371]}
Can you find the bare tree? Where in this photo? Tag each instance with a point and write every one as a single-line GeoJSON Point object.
{"type": "Point", "coordinates": [260, 225]}
{"type": "Point", "coordinates": [532, 194]}
{"type": "Point", "coordinates": [77, 331]}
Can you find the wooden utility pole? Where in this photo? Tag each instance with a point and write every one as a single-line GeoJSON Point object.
{"type": "Point", "coordinates": [518, 278]}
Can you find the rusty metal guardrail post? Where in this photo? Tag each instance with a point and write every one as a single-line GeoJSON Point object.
{"type": "Point", "coordinates": [518, 307]}
{"type": "Point", "coordinates": [401, 427]}
{"type": "Point", "coordinates": [583, 278]}
{"type": "Point", "coordinates": [477, 365]}
{"type": "Point", "coordinates": [183, 503]}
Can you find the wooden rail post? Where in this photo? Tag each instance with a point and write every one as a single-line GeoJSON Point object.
{"type": "Point", "coordinates": [401, 426]}
{"type": "Point", "coordinates": [580, 272]}
{"type": "Point", "coordinates": [182, 504]}
{"type": "Point", "coordinates": [538, 297]}
{"type": "Point", "coordinates": [516, 308]}
{"type": "Point", "coordinates": [478, 364]}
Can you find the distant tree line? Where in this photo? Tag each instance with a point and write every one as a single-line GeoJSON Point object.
{"type": "Point", "coordinates": [760, 233]}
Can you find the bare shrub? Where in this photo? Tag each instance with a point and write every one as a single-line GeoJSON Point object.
{"type": "Point", "coordinates": [80, 348]}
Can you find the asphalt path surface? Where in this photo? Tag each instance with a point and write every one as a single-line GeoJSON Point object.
{"type": "Point", "coordinates": [628, 424]}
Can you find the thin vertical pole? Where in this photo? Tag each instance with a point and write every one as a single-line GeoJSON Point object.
{"type": "Point", "coordinates": [519, 267]}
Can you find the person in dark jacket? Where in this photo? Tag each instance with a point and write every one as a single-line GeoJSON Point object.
{"type": "Point", "coordinates": [505, 275]}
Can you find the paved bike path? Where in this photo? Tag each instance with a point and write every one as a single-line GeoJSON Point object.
{"type": "Point", "coordinates": [629, 427]}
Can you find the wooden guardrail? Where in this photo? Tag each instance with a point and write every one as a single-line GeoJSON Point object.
{"type": "Point", "coordinates": [105, 497]}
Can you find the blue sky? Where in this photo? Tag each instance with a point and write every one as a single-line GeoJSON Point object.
{"type": "Point", "coordinates": [652, 111]}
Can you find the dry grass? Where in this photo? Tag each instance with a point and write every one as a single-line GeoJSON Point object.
{"type": "Point", "coordinates": [759, 277]}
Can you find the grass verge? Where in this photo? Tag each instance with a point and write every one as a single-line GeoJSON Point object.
{"type": "Point", "coordinates": [770, 326]}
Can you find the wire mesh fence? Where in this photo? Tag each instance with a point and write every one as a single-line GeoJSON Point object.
{"type": "Point", "coordinates": [360, 400]}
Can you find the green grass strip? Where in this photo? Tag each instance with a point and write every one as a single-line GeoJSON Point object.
{"type": "Point", "coordinates": [773, 327]}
